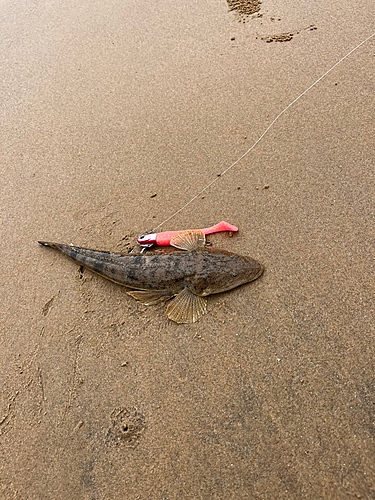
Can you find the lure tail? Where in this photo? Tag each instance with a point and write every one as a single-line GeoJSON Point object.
{"type": "Point", "coordinates": [222, 226]}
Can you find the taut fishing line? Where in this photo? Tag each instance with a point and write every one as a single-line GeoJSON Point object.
{"type": "Point", "coordinates": [261, 137]}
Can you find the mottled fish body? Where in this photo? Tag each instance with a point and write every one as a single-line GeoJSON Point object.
{"type": "Point", "coordinates": [187, 276]}
{"type": "Point", "coordinates": [141, 272]}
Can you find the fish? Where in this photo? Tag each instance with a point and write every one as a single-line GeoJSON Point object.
{"type": "Point", "coordinates": [183, 277]}
{"type": "Point", "coordinates": [164, 239]}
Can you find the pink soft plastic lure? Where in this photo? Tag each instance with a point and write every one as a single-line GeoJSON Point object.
{"type": "Point", "coordinates": [164, 239]}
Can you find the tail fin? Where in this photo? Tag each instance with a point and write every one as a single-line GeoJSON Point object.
{"type": "Point", "coordinates": [109, 265]}
{"type": "Point", "coordinates": [47, 244]}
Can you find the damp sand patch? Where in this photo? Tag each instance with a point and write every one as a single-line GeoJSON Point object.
{"type": "Point", "coordinates": [286, 37]}
{"type": "Point", "coordinates": [282, 37]}
{"type": "Point", "coordinates": [244, 7]}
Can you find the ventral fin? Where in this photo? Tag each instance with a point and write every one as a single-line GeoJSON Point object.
{"type": "Point", "coordinates": [186, 307]}
{"type": "Point", "coordinates": [189, 240]}
{"type": "Point", "coordinates": [150, 297]}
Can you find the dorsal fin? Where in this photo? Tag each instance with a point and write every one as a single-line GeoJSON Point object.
{"type": "Point", "coordinates": [189, 240]}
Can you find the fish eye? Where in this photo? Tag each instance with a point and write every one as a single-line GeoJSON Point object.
{"type": "Point", "coordinates": [234, 274]}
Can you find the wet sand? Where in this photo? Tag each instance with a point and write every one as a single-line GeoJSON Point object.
{"type": "Point", "coordinates": [271, 395]}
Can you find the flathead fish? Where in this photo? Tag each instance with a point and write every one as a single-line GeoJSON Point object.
{"type": "Point", "coordinates": [183, 278]}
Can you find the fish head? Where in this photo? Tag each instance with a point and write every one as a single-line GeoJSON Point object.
{"type": "Point", "coordinates": [147, 240]}
{"type": "Point", "coordinates": [233, 271]}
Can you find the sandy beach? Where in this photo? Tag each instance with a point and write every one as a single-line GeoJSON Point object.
{"type": "Point", "coordinates": [113, 116]}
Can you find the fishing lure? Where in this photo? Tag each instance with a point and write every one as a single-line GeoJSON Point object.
{"type": "Point", "coordinates": [164, 239]}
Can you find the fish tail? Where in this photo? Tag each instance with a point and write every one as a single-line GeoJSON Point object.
{"type": "Point", "coordinates": [109, 265]}
{"type": "Point", "coordinates": [48, 244]}
{"type": "Point", "coordinates": [82, 255]}
{"type": "Point", "coordinates": [76, 253]}
{"type": "Point", "coordinates": [63, 248]}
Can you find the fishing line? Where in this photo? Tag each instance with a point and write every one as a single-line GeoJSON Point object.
{"type": "Point", "coordinates": [261, 137]}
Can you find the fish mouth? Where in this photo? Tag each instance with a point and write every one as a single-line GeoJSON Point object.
{"type": "Point", "coordinates": [255, 263]}
{"type": "Point", "coordinates": [260, 272]}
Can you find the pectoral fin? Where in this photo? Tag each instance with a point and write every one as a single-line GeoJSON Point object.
{"type": "Point", "coordinates": [150, 297]}
{"type": "Point", "coordinates": [189, 240]}
{"type": "Point", "coordinates": [186, 307]}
